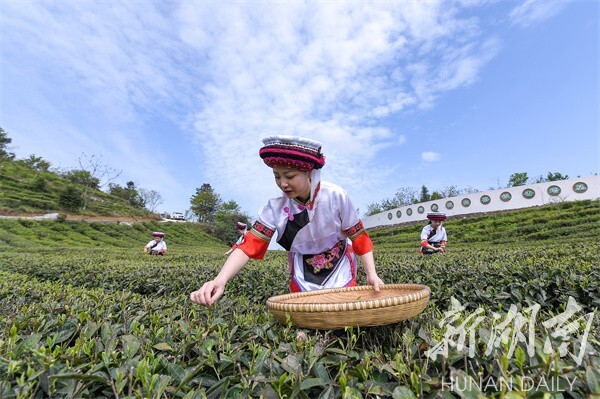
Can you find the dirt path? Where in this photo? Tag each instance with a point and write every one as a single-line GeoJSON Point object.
{"type": "Point", "coordinates": [85, 218]}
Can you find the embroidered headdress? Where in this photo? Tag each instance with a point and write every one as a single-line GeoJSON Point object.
{"type": "Point", "coordinates": [292, 152]}
{"type": "Point", "coordinates": [436, 216]}
{"type": "Point", "coordinates": [158, 234]}
{"type": "Point", "coordinates": [296, 153]}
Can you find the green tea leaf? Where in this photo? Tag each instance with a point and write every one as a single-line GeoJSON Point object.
{"type": "Point", "coordinates": [163, 346]}
{"type": "Point", "coordinates": [402, 393]}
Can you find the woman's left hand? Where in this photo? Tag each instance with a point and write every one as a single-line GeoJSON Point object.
{"type": "Point", "coordinates": [375, 281]}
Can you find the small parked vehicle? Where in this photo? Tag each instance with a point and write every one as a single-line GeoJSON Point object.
{"type": "Point", "coordinates": [177, 216]}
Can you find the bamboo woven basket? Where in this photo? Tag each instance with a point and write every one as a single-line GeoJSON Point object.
{"type": "Point", "coordinates": [333, 308]}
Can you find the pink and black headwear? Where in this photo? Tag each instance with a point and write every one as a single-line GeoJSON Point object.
{"type": "Point", "coordinates": [296, 153]}
{"type": "Point", "coordinates": [436, 216]}
{"type": "Point", "coordinates": [158, 234]}
{"type": "Point", "coordinates": [292, 152]}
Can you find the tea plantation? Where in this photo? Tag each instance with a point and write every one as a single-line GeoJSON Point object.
{"type": "Point", "coordinates": [513, 314]}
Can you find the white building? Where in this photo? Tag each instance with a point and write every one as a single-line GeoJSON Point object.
{"type": "Point", "coordinates": [494, 200]}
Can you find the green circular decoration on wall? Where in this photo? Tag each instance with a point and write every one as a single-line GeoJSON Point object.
{"type": "Point", "coordinates": [465, 202]}
{"type": "Point", "coordinates": [485, 199]}
{"type": "Point", "coordinates": [398, 214]}
{"type": "Point", "coordinates": [506, 196]}
{"type": "Point", "coordinates": [420, 209]}
{"type": "Point", "coordinates": [390, 216]}
{"type": "Point", "coordinates": [434, 207]}
{"type": "Point", "coordinates": [528, 193]}
{"type": "Point", "coordinates": [409, 211]}
{"type": "Point", "coordinates": [580, 187]}
{"type": "Point", "coordinates": [449, 204]}
{"type": "Point", "coordinates": [553, 190]}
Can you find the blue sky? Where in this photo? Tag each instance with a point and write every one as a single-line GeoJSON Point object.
{"type": "Point", "coordinates": [401, 94]}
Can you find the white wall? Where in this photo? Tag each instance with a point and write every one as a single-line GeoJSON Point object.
{"type": "Point", "coordinates": [499, 200]}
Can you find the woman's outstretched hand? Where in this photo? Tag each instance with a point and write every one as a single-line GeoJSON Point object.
{"type": "Point", "coordinates": [209, 293]}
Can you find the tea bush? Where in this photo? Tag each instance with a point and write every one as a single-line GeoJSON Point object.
{"type": "Point", "coordinates": [92, 316]}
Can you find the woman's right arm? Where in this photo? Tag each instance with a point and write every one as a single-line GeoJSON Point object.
{"type": "Point", "coordinates": [212, 290]}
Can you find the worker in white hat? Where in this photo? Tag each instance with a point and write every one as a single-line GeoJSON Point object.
{"type": "Point", "coordinates": [433, 235]}
{"type": "Point", "coordinates": [157, 246]}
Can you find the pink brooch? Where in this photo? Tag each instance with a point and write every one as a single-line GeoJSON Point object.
{"type": "Point", "coordinates": [303, 207]}
{"type": "Point", "coordinates": [289, 213]}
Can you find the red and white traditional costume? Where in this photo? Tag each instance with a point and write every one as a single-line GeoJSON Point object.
{"type": "Point", "coordinates": [432, 236]}
{"type": "Point", "coordinates": [321, 236]}
{"type": "Point", "coordinates": [157, 247]}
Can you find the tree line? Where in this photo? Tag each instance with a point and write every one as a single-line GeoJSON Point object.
{"type": "Point", "coordinates": [92, 174]}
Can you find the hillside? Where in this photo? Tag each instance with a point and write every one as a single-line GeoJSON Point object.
{"type": "Point", "coordinates": [579, 220]}
{"type": "Point", "coordinates": [568, 221]}
{"type": "Point", "coordinates": [24, 191]}
{"type": "Point", "coordinates": [23, 233]}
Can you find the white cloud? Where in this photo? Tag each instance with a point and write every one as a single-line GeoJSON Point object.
{"type": "Point", "coordinates": [430, 156]}
{"type": "Point", "coordinates": [327, 70]}
{"type": "Point", "coordinates": [233, 72]}
{"type": "Point", "coordinates": [531, 12]}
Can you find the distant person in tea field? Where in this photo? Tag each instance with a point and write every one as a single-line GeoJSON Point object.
{"type": "Point", "coordinates": [433, 235]}
{"type": "Point", "coordinates": [157, 246]}
{"type": "Point", "coordinates": [241, 228]}
{"type": "Point", "coordinates": [315, 222]}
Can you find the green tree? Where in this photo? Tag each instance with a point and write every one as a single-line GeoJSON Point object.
{"type": "Point", "coordinates": [82, 177]}
{"type": "Point", "coordinates": [70, 199]}
{"type": "Point", "coordinates": [229, 207]}
{"type": "Point", "coordinates": [129, 193]}
{"type": "Point", "coordinates": [435, 196]}
{"type": "Point", "coordinates": [205, 203]}
{"type": "Point", "coordinates": [4, 142]}
{"type": "Point", "coordinates": [227, 216]}
{"type": "Point", "coordinates": [36, 163]}
{"type": "Point", "coordinates": [96, 175]}
{"type": "Point", "coordinates": [424, 194]}
{"type": "Point", "coordinates": [517, 179]}
{"type": "Point", "coordinates": [556, 176]}
{"type": "Point", "coordinates": [373, 209]}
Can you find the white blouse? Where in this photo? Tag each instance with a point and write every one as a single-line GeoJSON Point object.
{"type": "Point", "coordinates": [159, 247]}
{"type": "Point", "coordinates": [440, 234]}
{"type": "Point", "coordinates": [333, 218]}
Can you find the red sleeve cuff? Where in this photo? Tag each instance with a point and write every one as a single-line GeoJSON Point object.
{"type": "Point", "coordinates": [444, 243]}
{"type": "Point", "coordinates": [424, 243]}
{"type": "Point", "coordinates": [362, 244]}
{"type": "Point", "coordinates": [254, 247]}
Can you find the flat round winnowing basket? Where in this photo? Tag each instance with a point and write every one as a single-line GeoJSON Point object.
{"type": "Point", "coordinates": [333, 308]}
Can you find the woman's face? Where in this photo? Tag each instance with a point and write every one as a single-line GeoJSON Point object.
{"type": "Point", "coordinates": [294, 183]}
{"type": "Point", "coordinates": [436, 223]}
